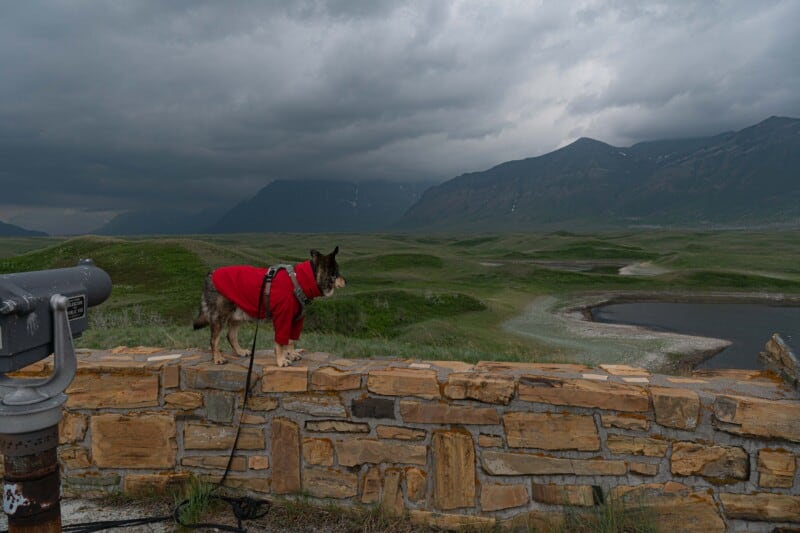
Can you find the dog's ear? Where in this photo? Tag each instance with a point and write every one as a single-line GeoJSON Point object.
{"type": "Point", "coordinates": [315, 255]}
{"type": "Point", "coordinates": [335, 251]}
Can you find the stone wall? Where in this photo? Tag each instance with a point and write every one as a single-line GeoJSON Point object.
{"type": "Point", "coordinates": [449, 442]}
{"type": "Point", "coordinates": [778, 357]}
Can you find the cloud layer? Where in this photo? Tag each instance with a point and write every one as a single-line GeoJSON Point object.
{"type": "Point", "coordinates": [109, 106]}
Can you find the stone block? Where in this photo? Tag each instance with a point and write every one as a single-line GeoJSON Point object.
{"type": "Point", "coordinates": [328, 405]}
{"type": "Point", "coordinates": [399, 433]}
{"type": "Point", "coordinates": [676, 408]}
{"type": "Point", "coordinates": [557, 494]}
{"type": "Point", "coordinates": [171, 376]}
{"type": "Point", "coordinates": [358, 451]}
{"type": "Point", "coordinates": [371, 486]}
{"type": "Point", "coordinates": [253, 419]}
{"type": "Point", "coordinates": [219, 377]}
{"type": "Point", "coordinates": [551, 431]}
{"type": "Point", "coordinates": [484, 387]}
{"type": "Point", "coordinates": [452, 522]}
{"type": "Point", "coordinates": [490, 441]}
{"type": "Point", "coordinates": [722, 464]}
{"type": "Point", "coordinates": [214, 462]}
{"type": "Point", "coordinates": [285, 456]}
{"type": "Point", "coordinates": [392, 494]}
{"type": "Point", "coordinates": [416, 483]}
{"type": "Point", "coordinates": [150, 484]}
{"type": "Point", "coordinates": [336, 426]}
{"type": "Point", "coordinates": [198, 436]}
{"type": "Point", "coordinates": [372, 408]}
{"type": "Point", "coordinates": [584, 393]}
{"type": "Point", "coordinates": [404, 382]}
{"type": "Point", "coordinates": [186, 401]}
{"type": "Point", "coordinates": [318, 451]}
{"type": "Point", "coordinates": [627, 445]}
{"type": "Point", "coordinates": [71, 457]}
{"type": "Point", "coordinates": [495, 496]}
{"type": "Point", "coordinates": [258, 462]}
{"type": "Point", "coordinates": [262, 403]}
{"type": "Point", "coordinates": [776, 468]}
{"type": "Point", "coordinates": [284, 379]}
{"type": "Point", "coordinates": [71, 428]}
{"type": "Point", "coordinates": [331, 379]}
{"type": "Point", "coordinates": [643, 469]}
{"type": "Point", "coordinates": [242, 482]}
{"type": "Point", "coordinates": [625, 421]}
{"type": "Point", "coordinates": [219, 407]}
{"type": "Point", "coordinates": [94, 390]}
{"type": "Point", "coordinates": [330, 483]}
{"type": "Point", "coordinates": [414, 412]}
{"type": "Point", "coordinates": [763, 507]}
{"type": "Point", "coordinates": [526, 464]}
{"type": "Point", "coordinates": [760, 418]}
{"type": "Point", "coordinates": [453, 455]}
{"type": "Point", "coordinates": [673, 506]}
{"type": "Point", "coordinates": [89, 484]}
{"type": "Point", "coordinates": [143, 441]}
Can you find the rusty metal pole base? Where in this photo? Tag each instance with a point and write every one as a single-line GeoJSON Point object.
{"type": "Point", "coordinates": [31, 482]}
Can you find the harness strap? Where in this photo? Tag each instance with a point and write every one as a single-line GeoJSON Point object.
{"type": "Point", "coordinates": [301, 297]}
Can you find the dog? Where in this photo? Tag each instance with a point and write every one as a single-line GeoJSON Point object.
{"type": "Point", "coordinates": [231, 297]}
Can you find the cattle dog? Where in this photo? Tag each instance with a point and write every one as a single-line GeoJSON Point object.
{"type": "Point", "coordinates": [231, 296]}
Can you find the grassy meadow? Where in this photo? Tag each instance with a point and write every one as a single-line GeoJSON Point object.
{"type": "Point", "coordinates": [411, 296]}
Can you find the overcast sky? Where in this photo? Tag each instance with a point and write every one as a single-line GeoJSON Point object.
{"type": "Point", "coordinates": [118, 105]}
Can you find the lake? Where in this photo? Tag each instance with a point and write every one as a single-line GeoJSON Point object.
{"type": "Point", "coordinates": [747, 326]}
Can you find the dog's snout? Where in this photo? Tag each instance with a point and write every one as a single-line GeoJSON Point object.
{"type": "Point", "coordinates": [339, 283]}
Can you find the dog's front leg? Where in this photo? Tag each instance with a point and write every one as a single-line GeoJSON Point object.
{"type": "Point", "coordinates": [293, 353]}
{"type": "Point", "coordinates": [281, 355]}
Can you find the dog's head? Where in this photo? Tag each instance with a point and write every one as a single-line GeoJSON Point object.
{"type": "Point", "coordinates": [327, 271]}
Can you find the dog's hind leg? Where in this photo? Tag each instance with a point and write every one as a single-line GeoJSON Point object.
{"type": "Point", "coordinates": [216, 331]}
{"type": "Point", "coordinates": [233, 338]}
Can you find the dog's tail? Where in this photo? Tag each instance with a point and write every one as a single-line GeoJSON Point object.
{"type": "Point", "coordinates": [201, 321]}
{"type": "Point", "coordinates": [202, 316]}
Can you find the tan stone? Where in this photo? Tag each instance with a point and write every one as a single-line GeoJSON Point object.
{"type": "Point", "coordinates": [72, 428]}
{"type": "Point", "coordinates": [451, 522]}
{"type": "Point", "coordinates": [404, 382]}
{"type": "Point", "coordinates": [627, 445]}
{"type": "Point", "coordinates": [242, 482]}
{"type": "Point", "coordinates": [144, 441]}
{"type": "Point", "coordinates": [285, 456]}
{"type": "Point", "coordinates": [214, 462]}
{"type": "Point", "coordinates": [416, 483]}
{"type": "Point", "coordinates": [484, 387]}
{"type": "Point", "coordinates": [214, 437]}
{"type": "Point", "coordinates": [149, 484]}
{"type": "Point", "coordinates": [676, 408]}
{"type": "Point", "coordinates": [673, 506]}
{"type": "Point", "coordinates": [763, 507]}
{"type": "Point", "coordinates": [331, 379]}
{"type": "Point", "coordinates": [643, 469]}
{"type": "Point", "coordinates": [757, 417]}
{"type": "Point", "coordinates": [414, 412]}
{"type": "Point", "coordinates": [253, 419]}
{"type": "Point", "coordinates": [184, 400]}
{"type": "Point", "coordinates": [72, 457]}
{"type": "Point", "coordinates": [551, 431]}
{"type": "Point", "coordinates": [400, 433]}
{"type": "Point", "coordinates": [171, 376]}
{"type": "Point", "coordinates": [392, 495]}
{"type": "Point", "coordinates": [336, 426]}
{"type": "Point", "coordinates": [330, 483]}
{"type": "Point", "coordinates": [262, 403]}
{"type": "Point", "coordinates": [328, 405]}
{"type": "Point", "coordinates": [723, 464]}
{"type": "Point", "coordinates": [557, 494]}
{"type": "Point", "coordinates": [358, 451]}
{"type": "Point", "coordinates": [495, 496]}
{"type": "Point", "coordinates": [93, 390]}
{"type": "Point", "coordinates": [536, 368]}
{"type": "Point", "coordinates": [776, 468]}
{"type": "Point", "coordinates": [625, 421]}
{"type": "Point", "coordinates": [207, 375]}
{"type": "Point", "coordinates": [453, 455]}
{"type": "Point", "coordinates": [258, 462]}
{"type": "Point", "coordinates": [284, 379]}
{"type": "Point", "coordinates": [371, 486]}
{"type": "Point", "coordinates": [522, 464]}
{"type": "Point", "coordinates": [584, 393]}
{"type": "Point", "coordinates": [624, 370]}
{"type": "Point", "coordinates": [490, 441]}
{"type": "Point", "coordinates": [318, 451]}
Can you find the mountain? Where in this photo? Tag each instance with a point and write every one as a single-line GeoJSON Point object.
{"type": "Point", "coordinates": [299, 206]}
{"type": "Point", "coordinates": [161, 222]}
{"type": "Point", "coordinates": [10, 230]}
{"type": "Point", "coordinates": [747, 177]}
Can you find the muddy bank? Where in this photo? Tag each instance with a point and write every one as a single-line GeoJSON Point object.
{"type": "Point", "coordinates": [564, 323]}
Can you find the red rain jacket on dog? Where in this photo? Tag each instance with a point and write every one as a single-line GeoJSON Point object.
{"type": "Point", "coordinates": [242, 285]}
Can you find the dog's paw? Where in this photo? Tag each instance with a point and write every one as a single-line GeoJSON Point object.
{"type": "Point", "coordinates": [294, 356]}
{"type": "Point", "coordinates": [243, 353]}
{"type": "Point", "coordinates": [219, 361]}
{"type": "Point", "coordinates": [284, 362]}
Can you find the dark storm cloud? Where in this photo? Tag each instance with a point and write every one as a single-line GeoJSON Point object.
{"type": "Point", "coordinates": [108, 106]}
